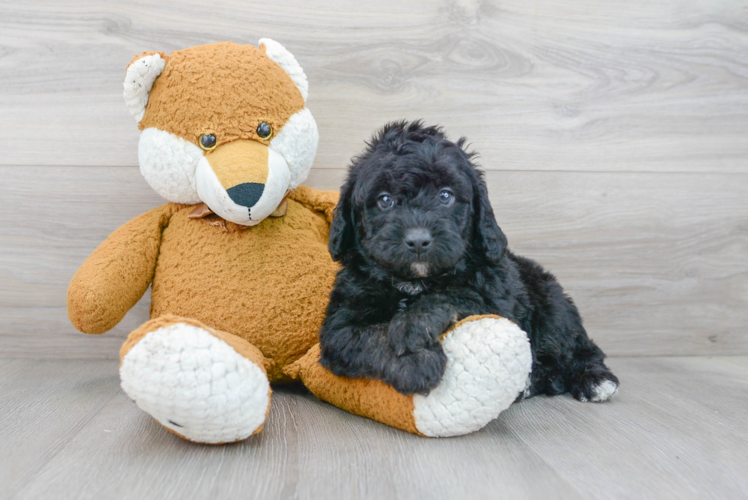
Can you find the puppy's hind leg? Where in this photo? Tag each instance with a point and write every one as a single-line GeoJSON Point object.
{"type": "Point", "coordinates": [566, 360]}
{"type": "Point", "coordinates": [590, 379]}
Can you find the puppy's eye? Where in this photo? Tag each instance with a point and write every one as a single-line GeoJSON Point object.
{"type": "Point", "coordinates": [265, 131]}
{"type": "Point", "coordinates": [446, 196]}
{"type": "Point", "coordinates": [208, 142]}
{"type": "Point", "coordinates": [385, 201]}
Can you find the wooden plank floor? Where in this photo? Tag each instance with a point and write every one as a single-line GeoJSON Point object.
{"type": "Point", "coordinates": [676, 430]}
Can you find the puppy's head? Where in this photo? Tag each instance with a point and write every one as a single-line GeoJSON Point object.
{"type": "Point", "coordinates": [414, 205]}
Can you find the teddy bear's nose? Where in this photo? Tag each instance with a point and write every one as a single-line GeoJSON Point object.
{"type": "Point", "coordinates": [246, 194]}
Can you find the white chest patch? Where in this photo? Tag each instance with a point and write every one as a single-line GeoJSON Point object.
{"type": "Point", "coordinates": [420, 269]}
{"type": "Point", "coordinates": [411, 288]}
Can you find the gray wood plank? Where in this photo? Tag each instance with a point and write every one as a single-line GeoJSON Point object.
{"type": "Point", "coordinates": [655, 86]}
{"type": "Point", "coordinates": [676, 430]}
{"type": "Point", "coordinates": [43, 406]}
{"type": "Point", "coordinates": [656, 262]}
{"type": "Point", "coordinates": [307, 450]}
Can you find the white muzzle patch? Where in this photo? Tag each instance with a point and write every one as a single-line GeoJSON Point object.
{"type": "Point", "coordinates": [213, 194]}
{"type": "Point", "coordinates": [420, 269]}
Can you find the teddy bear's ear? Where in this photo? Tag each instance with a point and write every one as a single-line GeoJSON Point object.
{"type": "Point", "coordinates": [287, 61]}
{"type": "Point", "coordinates": [141, 73]}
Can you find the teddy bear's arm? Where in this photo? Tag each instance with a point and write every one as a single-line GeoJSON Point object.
{"type": "Point", "coordinates": [319, 201]}
{"type": "Point", "coordinates": [117, 274]}
{"type": "Point", "coordinates": [489, 362]}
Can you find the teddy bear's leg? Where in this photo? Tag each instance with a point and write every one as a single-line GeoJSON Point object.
{"type": "Point", "coordinates": [488, 366]}
{"type": "Point", "coordinates": [202, 384]}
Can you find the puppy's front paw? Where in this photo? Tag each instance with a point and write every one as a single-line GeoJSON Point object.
{"type": "Point", "coordinates": [417, 372]}
{"type": "Point", "coordinates": [406, 336]}
{"type": "Point", "coordinates": [412, 331]}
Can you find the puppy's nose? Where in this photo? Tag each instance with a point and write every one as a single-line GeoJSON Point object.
{"type": "Point", "coordinates": [246, 194]}
{"type": "Point", "coordinates": [418, 239]}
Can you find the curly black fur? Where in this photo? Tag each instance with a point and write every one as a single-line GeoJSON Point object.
{"type": "Point", "coordinates": [416, 260]}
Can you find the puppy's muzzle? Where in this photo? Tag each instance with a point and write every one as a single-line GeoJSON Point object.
{"type": "Point", "coordinates": [418, 239]}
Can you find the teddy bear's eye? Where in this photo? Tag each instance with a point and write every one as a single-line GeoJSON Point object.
{"type": "Point", "coordinates": [265, 131]}
{"type": "Point", "coordinates": [208, 142]}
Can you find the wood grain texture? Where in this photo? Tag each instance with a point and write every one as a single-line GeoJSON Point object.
{"type": "Point", "coordinates": [677, 418]}
{"type": "Point", "coordinates": [542, 85]}
{"type": "Point", "coordinates": [676, 430]}
{"type": "Point", "coordinates": [656, 262]}
{"type": "Point", "coordinates": [43, 406]}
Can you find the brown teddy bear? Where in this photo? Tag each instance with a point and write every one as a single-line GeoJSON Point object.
{"type": "Point", "coordinates": [238, 262]}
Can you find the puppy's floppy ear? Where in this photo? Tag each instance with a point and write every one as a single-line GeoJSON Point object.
{"type": "Point", "coordinates": [490, 238]}
{"type": "Point", "coordinates": [342, 229]}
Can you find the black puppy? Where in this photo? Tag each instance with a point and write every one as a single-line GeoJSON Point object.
{"type": "Point", "coordinates": [421, 249]}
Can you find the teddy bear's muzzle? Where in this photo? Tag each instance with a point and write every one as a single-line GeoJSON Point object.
{"type": "Point", "coordinates": [243, 181]}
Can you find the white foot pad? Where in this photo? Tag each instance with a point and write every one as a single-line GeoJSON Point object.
{"type": "Point", "coordinates": [196, 384]}
{"type": "Point", "coordinates": [604, 391]}
{"type": "Point", "coordinates": [488, 362]}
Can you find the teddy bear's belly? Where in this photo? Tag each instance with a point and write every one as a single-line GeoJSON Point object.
{"type": "Point", "coordinates": [268, 284]}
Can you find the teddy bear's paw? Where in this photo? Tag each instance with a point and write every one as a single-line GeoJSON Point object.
{"type": "Point", "coordinates": [488, 364]}
{"type": "Point", "coordinates": [196, 385]}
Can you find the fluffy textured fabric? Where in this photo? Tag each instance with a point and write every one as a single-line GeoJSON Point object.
{"type": "Point", "coordinates": [168, 164]}
{"type": "Point", "coordinates": [488, 364]}
{"type": "Point", "coordinates": [141, 73]}
{"type": "Point", "coordinates": [297, 142]}
{"type": "Point", "coordinates": [199, 383]}
{"type": "Point", "coordinates": [421, 249]}
{"type": "Point", "coordinates": [223, 89]}
{"type": "Point", "coordinates": [287, 61]}
{"type": "Point", "coordinates": [267, 284]}
{"type": "Point", "coordinates": [118, 272]}
{"type": "Point", "coordinates": [365, 397]}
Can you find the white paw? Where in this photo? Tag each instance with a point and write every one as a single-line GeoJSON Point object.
{"type": "Point", "coordinates": [527, 392]}
{"type": "Point", "coordinates": [488, 362]}
{"type": "Point", "coordinates": [196, 384]}
{"type": "Point", "coordinates": [604, 391]}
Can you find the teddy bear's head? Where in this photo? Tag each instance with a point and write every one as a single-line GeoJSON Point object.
{"type": "Point", "coordinates": [223, 124]}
